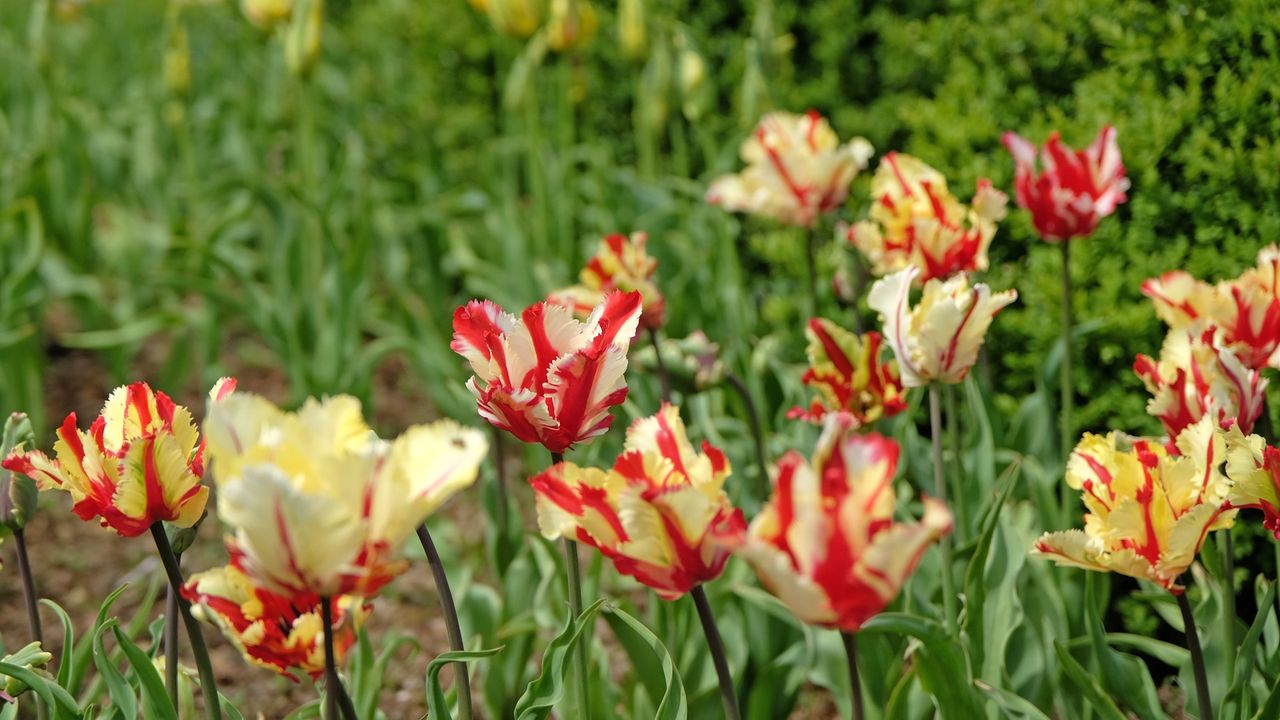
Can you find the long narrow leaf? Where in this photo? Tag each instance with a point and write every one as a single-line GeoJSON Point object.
{"type": "Point", "coordinates": [548, 688]}
{"type": "Point", "coordinates": [653, 665]}
{"type": "Point", "coordinates": [437, 704]}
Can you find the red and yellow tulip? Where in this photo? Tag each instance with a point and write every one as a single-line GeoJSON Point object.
{"type": "Point", "coordinates": [1245, 311]}
{"type": "Point", "coordinates": [847, 372]}
{"type": "Point", "coordinates": [915, 220]}
{"type": "Point", "coordinates": [938, 339]}
{"type": "Point", "coordinates": [1254, 469]}
{"type": "Point", "coordinates": [660, 513]}
{"type": "Point", "coordinates": [1074, 190]}
{"type": "Point", "coordinates": [281, 633]}
{"type": "Point", "coordinates": [826, 543]}
{"type": "Point", "coordinates": [1149, 510]}
{"type": "Point", "coordinates": [141, 462]}
{"type": "Point", "coordinates": [796, 170]}
{"type": "Point", "coordinates": [317, 502]}
{"type": "Point", "coordinates": [545, 377]}
{"type": "Point", "coordinates": [1196, 376]}
{"type": "Point", "coordinates": [621, 264]}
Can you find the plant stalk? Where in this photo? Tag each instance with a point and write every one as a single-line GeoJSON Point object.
{"type": "Point", "coordinates": [1229, 602]}
{"type": "Point", "coordinates": [757, 433]}
{"type": "Point", "coordinates": [171, 642]}
{"type": "Point", "coordinates": [961, 508]}
{"type": "Point", "coordinates": [451, 624]}
{"type": "Point", "coordinates": [940, 490]}
{"type": "Point", "coordinates": [811, 266]}
{"type": "Point", "coordinates": [718, 657]}
{"type": "Point", "coordinates": [1067, 397]}
{"type": "Point", "coordinates": [335, 696]}
{"type": "Point", "coordinates": [208, 684]}
{"type": "Point", "coordinates": [574, 572]}
{"type": "Point", "coordinates": [500, 478]}
{"type": "Point", "coordinates": [851, 652]}
{"type": "Point", "coordinates": [28, 585]}
{"type": "Point", "coordinates": [664, 380]}
{"type": "Point", "coordinates": [1197, 658]}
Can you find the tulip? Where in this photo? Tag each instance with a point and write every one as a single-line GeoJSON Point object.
{"type": "Point", "coordinates": [621, 263]}
{"type": "Point", "coordinates": [1254, 469]}
{"type": "Point", "coordinates": [938, 339]}
{"type": "Point", "coordinates": [826, 543]}
{"type": "Point", "coordinates": [1076, 188]}
{"type": "Point", "coordinates": [571, 24]}
{"type": "Point", "coordinates": [281, 633]}
{"type": "Point", "coordinates": [516, 18]}
{"type": "Point", "coordinates": [1148, 509]}
{"type": "Point", "coordinates": [657, 513]}
{"type": "Point", "coordinates": [633, 35]}
{"type": "Point", "coordinates": [140, 463]}
{"type": "Point", "coordinates": [302, 40]}
{"type": "Point", "coordinates": [318, 503]}
{"type": "Point", "coordinates": [267, 14]}
{"type": "Point", "coordinates": [1246, 310]}
{"type": "Point", "coordinates": [847, 372]}
{"type": "Point", "coordinates": [1197, 376]}
{"type": "Point", "coordinates": [796, 170]}
{"type": "Point", "coordinates": [916, 221]}
{"type": "Point", "coordinates": [545, 377]}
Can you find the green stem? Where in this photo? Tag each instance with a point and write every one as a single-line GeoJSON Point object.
{"type": "Point", "coordinates": [716, 645]}
{"type": "Point", "coordinates": [208, 684]}
{"type": "Point", "coordinates": [574, 572]}
{"type": "Point", "coordinates": [1229, 603]}
{"type": "Point", "coordinates": [958, 474]}
{"type": "Point", "coordinates": [1067, 397]}
{"type": "Point", "coordinates": [500, 479]}
{"type": "Point", "coordinates": [28, 585]}
{"type": "Point", "coordinates": [452, 627]}
{"type": "Point", "coordinates": [1197, 658]}
{"type": "Point", "coordinates": [851, 653]}
{"type": "Point", "coordinates": [171, 642]}
{"type": "Point", "coordinates": [811, 266]}
{"type": "Point", "coordinates": [335, 696]}
{"type": "Point", "coordinates": [940, 490]}
{"type": "Point", "coordinates": [664, 380]}
{"type": "Point", "coordinates": [757, 433]}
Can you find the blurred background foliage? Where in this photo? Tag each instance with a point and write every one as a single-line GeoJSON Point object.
{"type": "Point", "coordinates": [183, 194]}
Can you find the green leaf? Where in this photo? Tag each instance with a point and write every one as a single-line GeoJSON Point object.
{"type": "Point", "coordinates": [83, 654]}
{"type": "Point", "coordinates": [940, 661]}
{"type": "Point", "coordinates": [437, 704]}
{"type": "Point", "coordinates": [155, 698]}
{"type": "Point", "coordinates": [1013, 705]}
{"type": "Point", "coordinates": [652, 663]}
{"type": "Point", "coordinates": [1124, 676]}
{"type": "Point", "coordinates": [1087, 684]}
{"type": "Point", "coordinates": [68, 640]}
{"type": "Point", "coordinates": [123, 700]}
{"type": "Point", "coordinates": [53, 695]}
{"type": "Point", "coordinates": [975, 574]}
{"type": "Point", "coordinates": [547, 689]}
{"type": "Point", "coordinates": [1246, 658]}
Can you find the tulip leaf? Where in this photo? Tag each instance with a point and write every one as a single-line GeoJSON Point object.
{"type": "Point", "coordinates": [652, 663]}
{"type": "Point", "coordinates": [437, 704]}
{"type": "Point", "coordinates": [53, 695]}
{"type": "Point", "coordinates": [975, 580]}
{"type": "Point", "coordinates": [123, 700]}
{"type": "Point", "coordinates": [155, 698]}
{"type": "Point", "coordinates": [1013, 705]}
{"type": "Point", "coordinates": [84, 653]}
{"type": "Point", "coordinates": [1087, 684]}
{"type": "Point", "coordinates": [68, 640]}
{"type": "Point", "coordinates": [548, 688]}
{"type": "Point", "coordinates": [1246, 658]}
{"type": "Point", "coordinates": [1124, 676]}
{"type": "Point", "coordinates": [940, 660]}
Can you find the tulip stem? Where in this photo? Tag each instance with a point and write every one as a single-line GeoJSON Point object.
{"type": "Point", "coordinates": [757, 434]}
{"type": "Point", "coordinates": [574, 573]}
{"type": "Point", "coordinates": [940, 490]}
{"type": "Point", "coordinates": [335, 696]}
{"type": "Point", "coordinates": [171, 640]}
{"type": "Point", "coordinates": [953, 443]}
{"type": "Point", "coordinates": [851, 652]}
{"type": "Point", "coordinates": [28, 585]}
{"type": "Point", "coordinates": [451, 625]}
{"type": "Point", "coordinates": [1228, 601]}
{"type": "Point", "coordinates": [500, 479]}
{"type": "Point", "coordinates": [811, 265]}
{"type": "Point", "coordinates": [208, 684]}
{"type": "Point", "coordinates": [1067, 397]}
{"type": "Point", "coordinates": [716, 646]}
{"type": "Point", "coordinates": [1197, 657]}
{"type": "Point", "coordinates": [664, 380]}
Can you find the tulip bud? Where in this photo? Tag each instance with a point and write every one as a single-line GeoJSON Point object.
{"type": "Point", "coordinates": [572, 25]}
{"type": "Point", "coordinates": [632, 33]}
{"type": "Point", "coordinates": [693, 363]}
{"type": "Point", "coordinates": [18, 493]}
{"type": "Point", "coordinates": [266, 14]}
{"type": "Point", "coordinates": [653, 102]}
{"type": "Point", "coordinates": [517, 18]}
{"type": "Point", "coordinates": [302, 41]}
{"type": "Point", "coordinates": [177, 61]}
{"type": "Point", "coordinates": [32, 657]}
{"type": "Point", "coordinates": [181, 538]}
